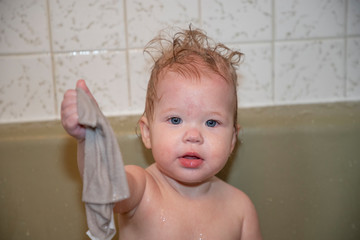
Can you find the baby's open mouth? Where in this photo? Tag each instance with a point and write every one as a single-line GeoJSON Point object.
{"type": "Point", "coordinates": [191, 157]}
{"type": "Point", "coordinates": [191, 160]}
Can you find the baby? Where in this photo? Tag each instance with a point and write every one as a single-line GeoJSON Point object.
{"type": "Point", "coordinates": [190, 125]}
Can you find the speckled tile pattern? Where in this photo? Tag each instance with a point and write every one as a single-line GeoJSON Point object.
{"type": "Point", "coordinates": [109, 85]}
{"type": "Point", "coordinates": [255, 75]}
{"type": "Point", "coordinates": [353, 17]}
{"type": "Point", "coordinates": [84, 25]}
{"type": "Point", "coordinates": [146, 18]}
{"type": "Point", "coordinates": [25, 89]}
{"type": "Point", "coordinates": [309, 71]}
{"type": "Point", "coordinates": [140, 68]}
{"type": "Point", "coordinates": [295, 51]}
{"type": "Point", "coordinates": [309, 18]}
{"type": "Point", "coordinates": [23, 27]}
{"type": "Point", "coordinates": [233, 21]}
{"type": "Point", "coordinates": [353, 68]}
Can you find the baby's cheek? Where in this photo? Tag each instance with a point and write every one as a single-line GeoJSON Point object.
{"type": "Point", "coordinates": [161, 150]}
{"type": "Point", "coordinates": [221, 148]}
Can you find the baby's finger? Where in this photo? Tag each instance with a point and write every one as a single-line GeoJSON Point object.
{"type": "Point", "coordinates": [71, 124]}
{"type": "Point", "coordinates": [82, 84]}
{"type": "Point", "coordinates": [68, 110]}
{"type": "Point", "coordinates": [70, 98]}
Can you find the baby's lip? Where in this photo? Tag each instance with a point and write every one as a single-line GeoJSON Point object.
{"type": "Point", "coordinates": [191, 155]}
{"type": "Point", "coordinates": [191, 160]}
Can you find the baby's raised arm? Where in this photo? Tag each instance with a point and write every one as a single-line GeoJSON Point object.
{"type": "Point", "coordinates": [69, 113]}
{"type": "Point", "coordinates": [70, 120]}
{"type": "Point", "coordinates": [251, 228]}
{"type": "Point", "coordinates": [136, 176]}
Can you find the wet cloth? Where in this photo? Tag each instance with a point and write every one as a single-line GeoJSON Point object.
{"type": "Point", "coordinates": [104, 178]}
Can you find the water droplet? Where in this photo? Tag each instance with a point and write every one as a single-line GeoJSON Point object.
{"type": "Point", "coordinates": [162, 216]}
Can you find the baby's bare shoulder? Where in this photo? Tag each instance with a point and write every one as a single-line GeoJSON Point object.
{"type": "Point", "coordinates": [241, 204]}
{"type": "Point", "coordinates": [238, 200]}
{"type": "Point", "coordinates": [230, 191]}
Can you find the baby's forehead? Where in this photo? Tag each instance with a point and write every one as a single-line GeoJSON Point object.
{"type": "Point", "coordinates": [192, 72]}
{"type": "Point", "coordinates": [174, 86]}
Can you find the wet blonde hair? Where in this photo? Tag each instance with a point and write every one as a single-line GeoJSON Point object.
{"type": "Point", "coordinates": [189, 53]}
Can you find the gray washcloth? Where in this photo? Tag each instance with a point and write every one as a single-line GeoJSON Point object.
{"type": "Point", "coordinates": [104, 177]}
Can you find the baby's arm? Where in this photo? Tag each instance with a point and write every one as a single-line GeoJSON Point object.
{"type": "Point", "coordinates": [136, 176]}
{"type": "Point", "coordinates": [250, 228]}
{"type": "Point", "coordinates": [70, 120]}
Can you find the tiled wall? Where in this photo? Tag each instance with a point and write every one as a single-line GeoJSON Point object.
{"type": "Point", "coordinates": [304, 51]}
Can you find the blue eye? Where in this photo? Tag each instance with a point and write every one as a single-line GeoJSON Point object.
{"type": "Point", "coordinates": [175, 120]}
{"type": "Point", "coordinates": [211, 123]}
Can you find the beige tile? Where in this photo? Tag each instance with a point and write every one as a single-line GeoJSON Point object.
{"type": "Point", "coordinates": [309, 71]}
{"type": "Point", "coordinates": [353, 69]}
{"type": "Point", "coordinates": [255, 75]}
{"type": "Point", "coordinates": [353, 18]}
{"type": "Point", "coordinates": [26, 89]}
{"type": "Point", "coordinates": [140, 69]}
{"type": "Point", "coordinates": [89, 41]}
{"type": "Point", "coordinates": [232, 21]}
{"type": "Point", "coordinates": [23, 26]}
{"type": "Point", "coordinates": [146, 18]}
{"type": "Point", "coordinates": [104, 72]}
{"type": "Point", "coordinates": [309, 18]}
{"type": "Point", "coordinates": [87, 25]}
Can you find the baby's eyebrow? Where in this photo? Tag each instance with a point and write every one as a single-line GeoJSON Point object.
{"type": "Point", "coordinates": [216, 114]}
{"type": "Point", "coordinates": [169, 110]}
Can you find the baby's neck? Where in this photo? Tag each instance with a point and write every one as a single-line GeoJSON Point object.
{"type": "Point", "coordinates": [191, 190]}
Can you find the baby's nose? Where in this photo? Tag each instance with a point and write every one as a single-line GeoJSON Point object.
{"type": "Point", "coordinates": [193, 135]}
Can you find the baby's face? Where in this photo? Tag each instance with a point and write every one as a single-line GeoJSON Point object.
{"type": "Point", "coordinates": [192, 132]}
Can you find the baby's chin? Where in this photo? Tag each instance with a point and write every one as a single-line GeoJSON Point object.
{"type": "Point", "coordinates": [195, 177]}
{"type": "Point", "coordinates": [188, 176]}
{"type": "Point", "coordinates": [193, 181]}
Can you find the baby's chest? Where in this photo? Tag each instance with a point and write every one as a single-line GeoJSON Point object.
{"type": "Point", "coordinates": [187, 221]}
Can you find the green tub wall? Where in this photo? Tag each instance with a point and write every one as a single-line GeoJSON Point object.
{"type": "Point", "coordinates": [299, 164]}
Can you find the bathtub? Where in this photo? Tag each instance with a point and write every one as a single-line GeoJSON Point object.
{"type": "Point", "coordinates": [299, 164]}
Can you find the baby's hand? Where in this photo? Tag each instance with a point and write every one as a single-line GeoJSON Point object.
{"type": "Point", "coordinates": [69, 114]}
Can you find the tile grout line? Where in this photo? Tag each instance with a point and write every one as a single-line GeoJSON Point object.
{"type": "Point", "coordinates": [200, 15]}
{"type": "Point", "coordinates": [92, 51]}
{"type": "Point", "coordinates": [345, 49]}
{"type": "Point", "coordinates": [273, 53]}
{"type": "Point", "coordinates": [52, 59]}
{"type": "Point", "coordinates": [127, 54]}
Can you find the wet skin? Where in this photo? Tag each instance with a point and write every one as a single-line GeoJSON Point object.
{"type": "Point", "coordinates": [191, 136]}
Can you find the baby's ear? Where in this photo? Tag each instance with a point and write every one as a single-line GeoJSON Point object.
{"type": "Point", "coordinates": [235, 136]}
{"type": "Point", "coordinates": [238, 128]}
{"type": "Point", "coordinates": [145, 131]}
